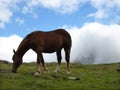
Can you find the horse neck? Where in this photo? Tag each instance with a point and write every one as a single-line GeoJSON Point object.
{"type": "Point", "coordinates": [21, 51]}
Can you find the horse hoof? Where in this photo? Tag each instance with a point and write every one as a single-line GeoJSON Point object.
{"type": "Point", "coordinates": [36, 74]}
{"type": "Point", "coordinates": [46, 71]}
{"type": "Point", "coordinates": [68, 72]}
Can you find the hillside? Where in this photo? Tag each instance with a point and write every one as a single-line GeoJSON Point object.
{"type": "Point", "coordinates": [92, 77]}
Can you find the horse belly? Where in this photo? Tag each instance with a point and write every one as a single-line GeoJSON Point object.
{"type": "Point", "coordinates": [52, 46]}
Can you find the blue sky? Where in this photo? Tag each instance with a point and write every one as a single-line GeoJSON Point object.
{"type": "Point", "coordinates": [27, 16]}
{"type": "Point", "coordinates": [95, 23]}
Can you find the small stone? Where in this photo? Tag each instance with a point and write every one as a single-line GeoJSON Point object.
{"type": "Point", "coordinates": [74, 78]}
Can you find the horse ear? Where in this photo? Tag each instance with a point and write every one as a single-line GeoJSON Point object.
{"type": "Point", "coordinates": [14, 51]}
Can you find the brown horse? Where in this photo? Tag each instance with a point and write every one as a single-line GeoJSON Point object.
{"type": "Point", "coordinates": [44, 42]}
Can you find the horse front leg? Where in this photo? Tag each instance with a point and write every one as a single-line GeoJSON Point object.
{"type": "Point", "coordinates": [59, 57]}
{"type": "Point", "coordinates": [44, 65]}
{"type": "Point", "coordinates": [40, 60]}
{"type": "Point", "coordinates": [37, 73]}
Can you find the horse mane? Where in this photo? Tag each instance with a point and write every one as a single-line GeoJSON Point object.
{"type": "Point", "coordinates": [22, 49]}
{"type": "Point", "coordinates": [27, 38]}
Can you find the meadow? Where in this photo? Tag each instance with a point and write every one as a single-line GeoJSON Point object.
{"type": "Point", "coordinates": [92, 77]}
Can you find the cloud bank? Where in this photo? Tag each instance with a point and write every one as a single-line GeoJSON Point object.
{"type": "Point", "coordinates": [93, 43]}
{"type": "Point", "coordinates": [96, 43]}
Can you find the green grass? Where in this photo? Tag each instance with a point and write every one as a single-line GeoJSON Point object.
{"type": "Point", "coordinates": [92, 77]}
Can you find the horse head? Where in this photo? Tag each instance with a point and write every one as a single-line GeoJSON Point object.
{"type": "Point", "coordinates": [17, 61]}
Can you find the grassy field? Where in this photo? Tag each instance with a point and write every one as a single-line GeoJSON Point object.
{"type": "Point", "coordinates": [92, 77]}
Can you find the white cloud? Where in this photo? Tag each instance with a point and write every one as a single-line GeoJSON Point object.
{"type": "Point", "coordinates": [106, 9]}
{"type": "Point", "coordinates": [92, 43]}
{"type": "Point", "coordinates": [103, 7]}
{"type": "Point", "coordinates": [6, 13]}
{"type": "Point", "coordinates": [62, 6]}
{"type": "Point", "coordinates": [19, 21]}
{"type": "Point", "coordinates": [100, 14]}
{"type": "Point", "coordinates": [6, 8]}
{"type": "Point", "coordinates": [96, 43]}
{"type": "Point", "coordinates": [7, 44]}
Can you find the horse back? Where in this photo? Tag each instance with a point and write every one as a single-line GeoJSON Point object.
{"type": "Point", "coordinates": [50, 41]}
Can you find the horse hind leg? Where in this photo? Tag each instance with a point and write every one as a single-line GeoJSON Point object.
{"type": "Point", "coordinates": [59, 57]}
{"type": "Point", "coordinates": [67, 57]}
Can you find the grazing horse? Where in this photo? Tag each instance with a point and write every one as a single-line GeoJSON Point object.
{"type": "Point", "coordinates": [44, 42]}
